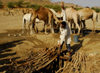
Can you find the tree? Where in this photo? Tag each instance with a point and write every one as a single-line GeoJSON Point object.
{"type": "Point", "coordinates": [1, 4]}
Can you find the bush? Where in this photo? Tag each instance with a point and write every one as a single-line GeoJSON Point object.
{"type": "Point", "coordinates": [11, 5]}
{"type": "Point", "coordinates": [1, 4]}
{"type": "Point", "coordinates": [55, 7]}
{"type": "Point", "coordinates": [78, 8]}
{"type": "Point", "coordinates": [96, 9]}
{"type": "Point", "coordinates": [35, 6]}
{"type": "Point", "coordinates": [20, 3]}
{"type": "Point", "coordinates": [27, 4]}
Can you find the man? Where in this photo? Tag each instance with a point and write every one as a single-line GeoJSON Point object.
{"type": "Point", "coordinates": [65, 32]}
{"type": "Point", "coordinates": [65, 36]}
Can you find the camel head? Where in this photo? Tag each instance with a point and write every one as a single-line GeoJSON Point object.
{"type": "Point", "coordinates": [58, 23]}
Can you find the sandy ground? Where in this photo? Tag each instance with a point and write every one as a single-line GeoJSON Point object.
{"type": "Point", "coordinates": [18, 47]}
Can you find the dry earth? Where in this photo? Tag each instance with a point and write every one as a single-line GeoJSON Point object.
{"type": "Point", "coordinates": [18, 47]}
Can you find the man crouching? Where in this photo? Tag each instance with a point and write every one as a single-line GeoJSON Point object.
{"type": "Point", "coordinates": [65, 37]}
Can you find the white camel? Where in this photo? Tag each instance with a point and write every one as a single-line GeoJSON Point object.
{"type": "Point", "coordinates": [27, 20]}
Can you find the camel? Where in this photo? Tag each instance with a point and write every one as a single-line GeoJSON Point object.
{"type": "Point", "coordinates": [27, 10]}
{"type": "Point", "coordinates": [73, 17]}
{"type": "Point", "coordinates": [57, 14]}
{"type": "Point", "coordinates": [43, 14]}
{"type": "Point", "coordinates": [9, 12]}
{"type": "Point", "coordinates": [26, 20]}
{"type": "Point", "coordinates": [88, 13]}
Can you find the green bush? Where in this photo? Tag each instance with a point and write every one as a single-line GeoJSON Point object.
{"type": "Point", "coordinates": [11, 5]}
{"type": "Point", "coordinates": [35, 6]}
{"type": "Point", "coordinates": [1, 4]}
{"type": "Point", "coordinates": [78, 8]}
{"type": "Point", "coordinates": [55, 7]}
{"type": "Point", "coordinates": [27, 4]}
{"type": "Point", "coordinates": [20, 3]}
{"type": "Point", "coordinates": [96, 9]}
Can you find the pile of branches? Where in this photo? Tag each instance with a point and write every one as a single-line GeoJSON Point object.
{"type": "Point", "coordinates": [36, 61]}
{"type": "Point", "coordinates": [79, 64]}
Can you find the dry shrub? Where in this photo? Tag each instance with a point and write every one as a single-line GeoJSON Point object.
{"type": "Point", "coordinates": [80, 63]}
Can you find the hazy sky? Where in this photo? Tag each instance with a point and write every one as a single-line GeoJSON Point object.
{"type": "Point", "coordinates": [89, 3]}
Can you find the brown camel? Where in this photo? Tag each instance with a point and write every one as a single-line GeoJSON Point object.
{"type": "Point", "coordinates": [88, 13]}
{"type": "Point", "coordinates": [43, 14]}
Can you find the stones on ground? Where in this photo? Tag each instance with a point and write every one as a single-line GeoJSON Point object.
{"type": "Point", "coordinates": [19, 34]}
{"type": "Point", "coordinates": [9, 34]}
{"type": "Point", "coordinates": [15, 35]}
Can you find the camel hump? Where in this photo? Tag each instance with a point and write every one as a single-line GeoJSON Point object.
{"type": "Point", "coordinates": [87, 7]}
{"type": "Point", "coordinates": [42, 8]}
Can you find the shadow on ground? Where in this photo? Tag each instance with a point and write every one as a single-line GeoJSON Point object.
{"type": "Point", "coordinates": [6, 52]}
{"type": "Point", "coordinates": [76, 47]}
{"type": "Point", "coordinates": [87, 32]}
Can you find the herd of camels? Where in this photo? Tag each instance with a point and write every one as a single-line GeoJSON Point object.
{"type": "Point", "coordinates": [47, 15]}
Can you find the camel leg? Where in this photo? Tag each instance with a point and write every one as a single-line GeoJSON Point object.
{"type": "Point", "coordinates": [51, 22]}
{"type": "Point", "coordinates": [24, 26]}
{"type": "Point", "coordinates": [77, 25]}
{"type": "Point", "coordinates": [78, 28]}
{"type": "Point", "coordinates": [69, 24]}
{"type": "Point", "coordinates": [35, 27]}
{"type": "Point", "coordinates": [52, 29]}
{"type": "Point", "coordinates": [12, 14]}
{"type": "Point", "coordinates": [30, 27]}
{"type": "Point", "coordinates": [45, 27]}
{"type": "Point", "coordinates": [23, 29]}
{"type": "Point", "coordinates": [72, 26]}
{"type": "Point", "coordinates": [93, 26]}
{"type": "Point", "coordinates": [80, 24]}
{"type": "Point", "coordinates": [84, 26]}
{"type": "Point", "coordinates": [31, 30]}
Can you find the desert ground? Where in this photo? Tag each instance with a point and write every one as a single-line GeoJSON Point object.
{"type": "Point", "coordinates": [14, 46]}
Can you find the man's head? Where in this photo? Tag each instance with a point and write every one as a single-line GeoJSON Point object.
{"type": "Point", "coordinates": [62, 5]}
{"type": "Point", "coordinates": [63, 24]}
